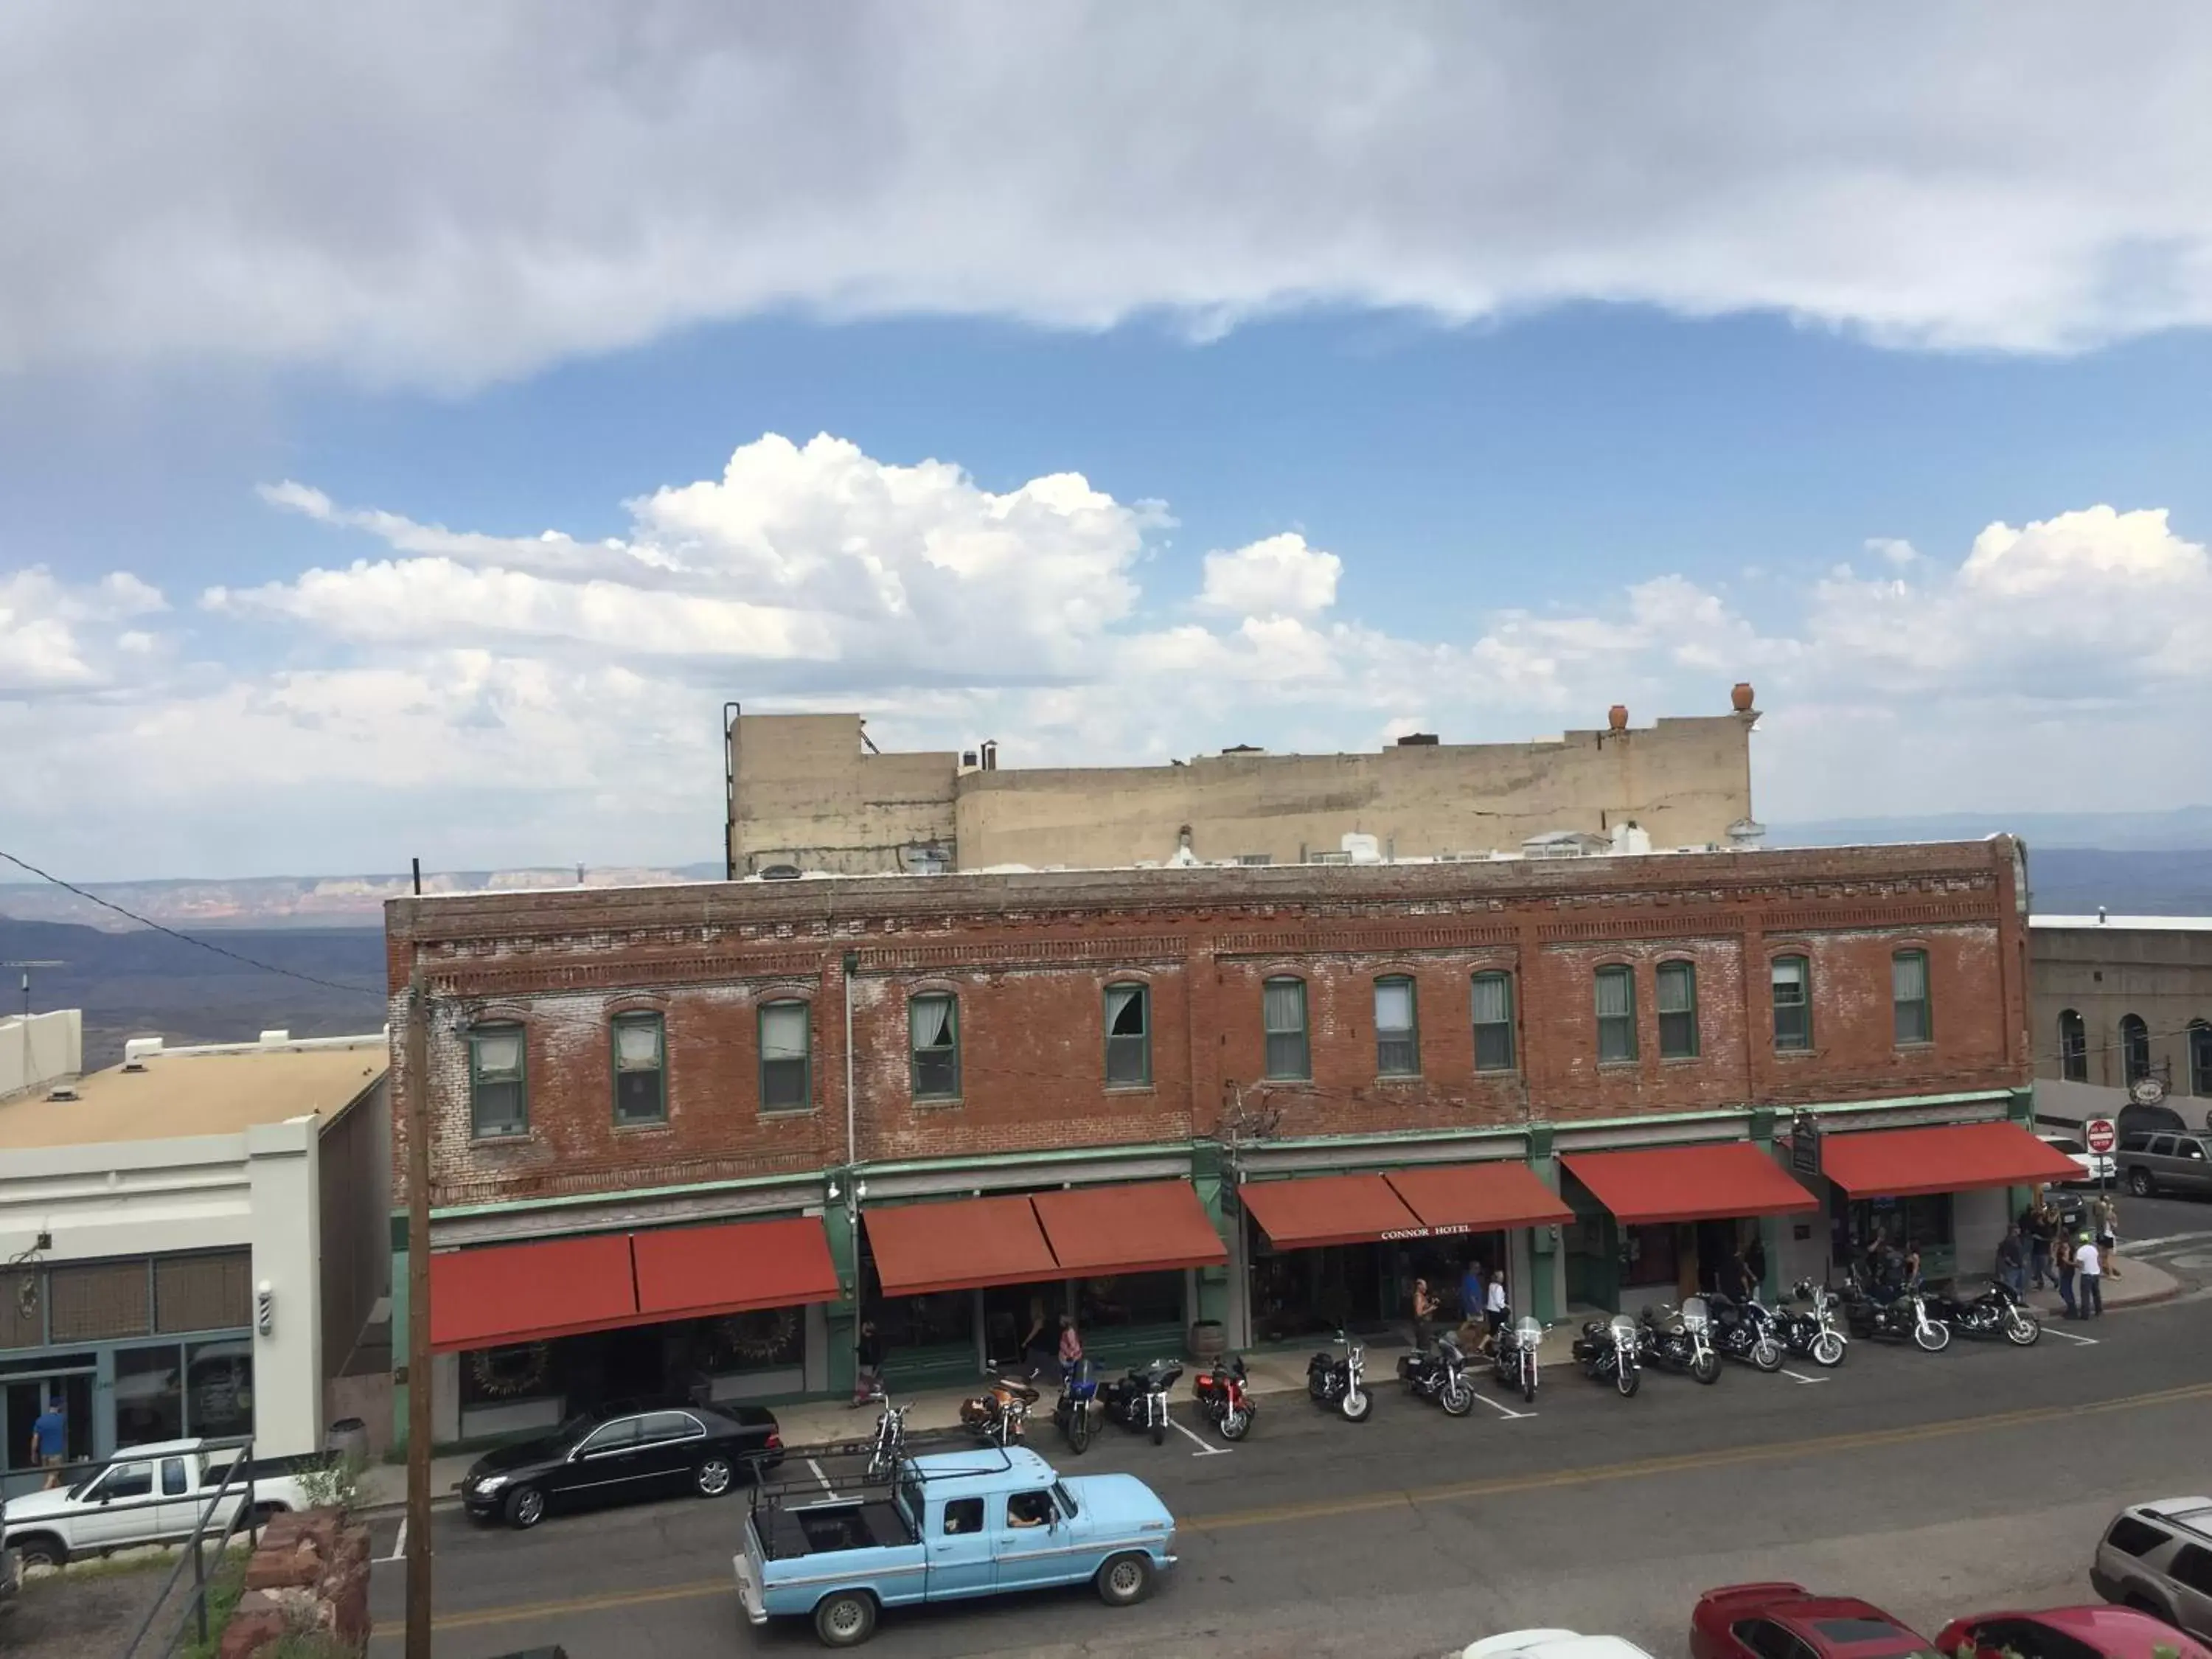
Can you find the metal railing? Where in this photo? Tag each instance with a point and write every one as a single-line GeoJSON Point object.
{"type": "Point", "coordinates": [237, 1477]}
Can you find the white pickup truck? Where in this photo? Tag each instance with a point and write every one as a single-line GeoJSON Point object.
{"type": "Point", "coordinates": [151, 1494]}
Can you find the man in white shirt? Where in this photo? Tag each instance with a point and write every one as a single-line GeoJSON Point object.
{"type": "Point", "coordinates": [2089, 1262]}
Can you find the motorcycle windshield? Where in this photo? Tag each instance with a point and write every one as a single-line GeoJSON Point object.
{"type": "Point", "coordinates": [1696, 1314]}
{"type": "Point", "coordinates": [1623, 1329]}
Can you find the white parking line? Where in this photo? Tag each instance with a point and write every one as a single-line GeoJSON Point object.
{"type": "Point", "coordinates": [2086, 1341]}
{"type": "Point", "coordinates": [1802, 1377]}
{"type": "Point", "coordinates": [1205, 1448]}
{"type": "Point", "coordinates": [819, 1475]}
{"type": "Point", "coordinates": [1503, 1409]}
{"type": "Point", "coordinates": [400, 1543]}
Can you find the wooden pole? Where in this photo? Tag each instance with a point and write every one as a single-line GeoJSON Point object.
{"type": "Point", "coordinates": [418, 1311]}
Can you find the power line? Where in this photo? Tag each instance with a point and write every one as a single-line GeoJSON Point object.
{"type": "Point", "coordinates": [143, 921]}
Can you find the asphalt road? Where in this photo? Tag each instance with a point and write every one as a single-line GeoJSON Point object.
{"type": "Point", "coordinates": [1933, 1484]}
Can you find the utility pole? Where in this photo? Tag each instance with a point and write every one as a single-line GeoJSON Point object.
{"type": "Point", "coordinates": [418, 1296]}
{"type": "Point", "coordinates": [26, 966]}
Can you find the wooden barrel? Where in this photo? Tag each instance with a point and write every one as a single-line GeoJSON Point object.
{"type": "Point", "coordinates": [1208, 1342]}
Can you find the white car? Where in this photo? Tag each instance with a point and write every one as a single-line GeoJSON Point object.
{"type": "Point", "coordinates": [2094, 1166]}
{"type": "Point", "coordinates": [1551, 1645]}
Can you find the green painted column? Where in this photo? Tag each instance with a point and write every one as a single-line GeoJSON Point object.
{"type": "Point", "coordinates": [1207, 1177]}
{"type": "Point", "coordinates": [400, 1335]}
{"type": "Point", "coordinates": [844, 1315]}
{"type": "Point", "coordinates": [1547, 1245]}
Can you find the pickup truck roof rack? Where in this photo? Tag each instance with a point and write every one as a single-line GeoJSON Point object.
{"type": "Point", "coordinates": [855, 1488]}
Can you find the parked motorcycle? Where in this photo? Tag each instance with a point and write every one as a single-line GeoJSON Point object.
{"type": "Point", "coordinates": [1999, 1311]}
{"type": "Point", "coordinates": [999, 1417]}
{"type": "Point", "coordinates": [1221, 1394]}
{"type": "Point", "coordinates": [1897, 1315]}
{"type": "Point", "coordinates": [1744, 1331]}
{"type": "Point", "coordinates": [1138, 1401]}
{"type": "Point", "coordinates": [1680, 1340]}
{"type": "Point", "coordinates": [1076, 1411]}
{"type": "Point", "coordinates": [1811, 1335]}
{"type": "Point", "coordinates": [889, 1445]}
{"type": "Point", "coordinates": [1513, 1356]}
{"type": "Point", "coordinates": [1340, 1381]}
{"type": "Point", "coordinates": [1438, 1373]}
{"type": "Point", "coordinates": [1609, 1351]}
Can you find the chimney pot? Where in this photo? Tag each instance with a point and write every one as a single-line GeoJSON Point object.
{"type": "Point", "coordinates": [1740, 697]}
{"type": "Point", "coordinates": [1617, 717]}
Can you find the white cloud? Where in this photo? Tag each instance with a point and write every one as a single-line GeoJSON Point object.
{"type": "Point", "coordinates": [482, 699]}
{"type": "Point", "coordinates": [418, 200]}
{"type": "Point", "coordinates": [1281, 576]}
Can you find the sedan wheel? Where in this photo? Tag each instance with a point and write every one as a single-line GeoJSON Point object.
{"type": "Point", "coordinates": [525, 1508]}
{"type": "Point", "coordinates": [714, 1477]}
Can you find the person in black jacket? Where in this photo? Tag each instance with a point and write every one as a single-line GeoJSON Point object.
{"type": "Point", "coordinates": [867, 1365]}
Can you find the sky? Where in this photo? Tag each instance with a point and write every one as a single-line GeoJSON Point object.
{"type": "Point", "coordinates": [415, 425]}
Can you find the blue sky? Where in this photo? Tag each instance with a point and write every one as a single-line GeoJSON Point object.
{"type": "Point", "coordinates": [1519, 372]}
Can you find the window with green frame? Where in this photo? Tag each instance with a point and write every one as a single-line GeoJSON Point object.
{"type": "Point", "coordinates": [1397, 1034]}
{"type": "Point", "coordinates": [1128, 1036]}
{"type": "Point", "coordinates": [786, 1056]}
{"type": "Point", "coordinates": [640, 1053]}
{"type": "Point", "coordinates": [498, 1095]}
{"type": "Point", "coordinates": [934, 1026]}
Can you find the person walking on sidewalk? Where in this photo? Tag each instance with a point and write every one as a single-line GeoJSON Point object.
{"type": "Point", "coordinates": [867, 1366]}
{"type": "Point", "coordinates": [2062, 1261]}
{"type": "Point", "coordinates": [2040, 1227]}
{"type": "Point", "coordinates": [2107, 1215]}
{"type": "Point", "coordinates": [2091, 1265]}
{"type": "Point", "coordinates": [2011, 1261]}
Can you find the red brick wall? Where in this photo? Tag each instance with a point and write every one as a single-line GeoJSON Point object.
{"type": "Point", "coordinates": [1029, 956]}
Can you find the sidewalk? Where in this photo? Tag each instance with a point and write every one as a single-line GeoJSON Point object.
{"type": "Point", "coordinates": [816, 1426]}
{"type": "Point", "coordinates": [2138, 1284]}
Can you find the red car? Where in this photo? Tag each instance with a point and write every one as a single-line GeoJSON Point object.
{"type": "Point", "coordinates": [2097, 1633]}
{"type": "Point", "coordinates": [1788, 1621]}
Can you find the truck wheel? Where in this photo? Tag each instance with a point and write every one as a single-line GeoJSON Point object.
{"type": "Point", "coordinates": [1125, 1581]}
{"type": "Point", "coordinates": [713, 1477]}
{"type": "Point", "coordinates": [41, 1550]}
{"type": "Point", "coordinates": [845, 1619]}
{"type": "Point", "coordinates": [2140, 1184]}
{"type": "Point", "coordinates": [525, 1508]}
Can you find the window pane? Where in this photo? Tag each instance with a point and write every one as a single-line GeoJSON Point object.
{"type": "Point", "coordinates": [1677, 987]}
{"type": "Point", "coordinates": [1493, 1023]}
{"type": "Point", "coordinates": [1393, 1004]}
{"type": "Point", "coordinates": [785, 1030]}
{"type": "Point", "coordinates": [1793, 1020]}
{"type": "Point", "coordinates": [497, 1106]}
{"type": "Point", "coordinates": [1616, 993]}
{"type": "Point", "coordinates": [1125, 1009]}
{"type": "Point", "coordinates": [931, 1018]}
{"type": "Point", "coordinates": [218, 1387]}
{"type": "Point", "coordinates": [1284, 1004]}
{"type": "Point", "coordinates": [499, 1054]}
{"type": "Point", "coordinates": [934, 1024]}
{"type": "Point", "coordinates": [1128, 1042]}
{"type": "Point", "coordinates": [499, 1109]}
{"type": "Point", "coordinates": [637, 1044]}
{"type": "Point", "coordinates": [149, 1396]}
{"type": "Point", "coordinates": [100, 1299]}
{"type": "Point", "coordinates": [1908, 976]}
{"type": "Point", "coordinates": [204, 1292]}
{"type": "Point", "coordinates": [1286, 1053]}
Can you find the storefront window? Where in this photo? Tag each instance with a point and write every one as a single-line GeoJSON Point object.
{"type": "Point", "coordinates": [1648, 1256]}
{"type": "Point", "coordinates": [924, 1321]}
{"type": "Point", "coordinates": [1922, 1223]}
{"type": "Point", "coordinates": [218, 1387]}
{"type": "Point", "coordinates": [150, 1394]}
{"type": "Point", "coordinates": [766, 1339]}
{"type": "Point", "coordinates": [1130, 1300]}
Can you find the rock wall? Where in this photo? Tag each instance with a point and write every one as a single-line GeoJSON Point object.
{"type": "Point", "coordinates": [309, 1576]}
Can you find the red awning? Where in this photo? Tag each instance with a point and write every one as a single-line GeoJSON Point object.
{"type": "Point", "coordinates": [696, 1273]}
{"type": "Point", "coordinates": [1901, 1163]}
{"type": "Point", "coordinates": [1689, 1183]}
{"type": "Point", "coordinates": [1346, 1209]}
{"type": "Point", "coordinates": [1478, 1198]}
{"type": "Point", "coordinates": [1147, 1227]}
{"type": "Point", "coordinates": [526, 1292]}
{"type": "Point", "coordinates": [922, 1248]}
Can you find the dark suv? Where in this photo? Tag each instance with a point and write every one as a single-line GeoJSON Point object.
{"type": "Point", "coordinates": [2161, 1162]}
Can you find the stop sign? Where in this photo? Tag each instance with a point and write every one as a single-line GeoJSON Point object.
{"type": "Point", "coordinates": [2099, 1135]}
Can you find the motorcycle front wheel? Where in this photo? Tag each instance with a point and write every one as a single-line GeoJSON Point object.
{"type": "Point", "coordinates": [2022, 1330]}
{"type": "Point", "coordinates": [1528, 1382]}
{"type": "Point", "coordinates": [1234, 1424]}
{"type": "Point", "coordinates": [1356, 1406]}
{"type": "Point", "coordinates": [1628, 1380]}
{"type": "Point", "coordinates": [1706, 1367]}
{"type": "Point", "coordinates": [1766, 1355]}
{"type": "Point", "coordinates": [1457, 1399]}
{"type": "Point", "coordinates": [1828, 1349]}
{"type": "Point", "coordinates": [1078, 1430]}
{"type": "Point", "coordinates": [1160, 1430]}
{"type": "Point", "coordinates": [1933, 1335]}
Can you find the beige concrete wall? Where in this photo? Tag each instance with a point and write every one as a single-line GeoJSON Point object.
{"type": "Point", "coordinates": [810, 794]}
{"type": "Point", "coordinates": [2162, 975]}
{"type": "Point", "coordinates": [1683, 780]}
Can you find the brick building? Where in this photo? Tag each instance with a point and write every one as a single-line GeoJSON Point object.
{"type": "Point", "coordinates": [688, 1136]}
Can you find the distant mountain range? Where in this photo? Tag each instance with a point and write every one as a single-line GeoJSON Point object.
{"type": "Point", "coordinates": [2181, 829]}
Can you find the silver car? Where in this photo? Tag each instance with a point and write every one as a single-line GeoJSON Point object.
{"type": "Point", "coordinates": [2157, 1162]}
{"type": "Point", "coordinates": [2158, 1557]}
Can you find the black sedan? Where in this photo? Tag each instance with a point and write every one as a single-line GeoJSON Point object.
{"type": "Point", "coordinates": [621, 1455]}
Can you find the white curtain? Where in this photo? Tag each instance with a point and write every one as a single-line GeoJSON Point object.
{"type": "Point", "coordinates": [1393, 1005]}
{"type": "Point", "coordinates": [1676, 992]}
{"type": "Point", "coordinates": [930, 1019]}
{"type": "Point", "coordinates": [1908, 976]}
{"type": "Point", "coordinates": [1284, 1005]}
{"type": "Point", "coordinates": [1493, 1001]}
{"type": "Point", "coordinates": [500, 1055]}
{"type": "Point", "coordinates": [784, 1031]}
{"type": "Point", "coordinates": [1616, 995]}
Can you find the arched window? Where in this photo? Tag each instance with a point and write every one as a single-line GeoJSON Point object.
{"type": "Point", "coordinates": [1493, 1022]}
{"type": "Point", "coordinates": [1791, 978]}
{"type": "Point", "coordinates": [1397, 1034]}
{"type": "Point", "coordinates": [2073, 1046]}
{"type": "Point", "coordinates": [2135, 1046]}
{"type": "Point", "coordinates": [2200, 1056]}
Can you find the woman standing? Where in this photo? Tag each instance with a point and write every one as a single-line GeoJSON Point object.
{"type": "Point", "coordinates": [2107, 1215]}
{"type": "Point", "coordinates": [1425, 1308]}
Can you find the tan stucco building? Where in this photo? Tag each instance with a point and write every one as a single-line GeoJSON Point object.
{"type": "Point", "coordinates": [809, 793]}
{"type": "Point", "coordinates": [2116, 998]}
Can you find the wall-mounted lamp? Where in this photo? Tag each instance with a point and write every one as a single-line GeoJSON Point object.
{"type": "Point", "coordinates": [834, 1194]}
{"type": "Point", "coordinates": [264, 1308]}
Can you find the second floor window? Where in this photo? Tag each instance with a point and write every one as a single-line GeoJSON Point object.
{"type": "Point", "coordinates": [1678, 1010]}
{"type": "Point", "coordinates": [934, 1024]}
{"type": "Point", "coordinates": [640, 1069]}
{"type": "Point", "coordinates": [2135, 1047]}
{"type": "Point", "coordinates": [1908, 991]}
{"type": "Point", "coordinates": [786, 1056]}
{"type": "Point", "coordinates": [1616, 1015]}
{"type": "Point", "coordinates": [2073, 1048]}
{"type": "Point", "coordinates": [1792, 979]}
{"type": "Point", "coordinates": [1397, 1040]}
{"type": "Point", "coordinates": [499, 1103]}
{"type": "Point", "coordinates": [1128, 1036]}
{"type": "Point", "coordinates": [1282, 1013]}
{"type": "Point", "coordinates": [1493, 1022]}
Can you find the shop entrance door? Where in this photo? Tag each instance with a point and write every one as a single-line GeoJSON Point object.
{"type": "Point", "coordinates": [24, 1398]}
{"type": "Point", "coordinates": [1012, 1313]}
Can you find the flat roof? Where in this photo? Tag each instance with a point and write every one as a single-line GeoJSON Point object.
{"type": "Point", "coordinates": [207, 1092]}
{"type": "Point", "coordinates": [2140, 924]}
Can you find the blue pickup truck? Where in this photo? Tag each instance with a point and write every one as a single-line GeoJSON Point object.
{"type": "Point", "coordinates": [946, 1528]}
